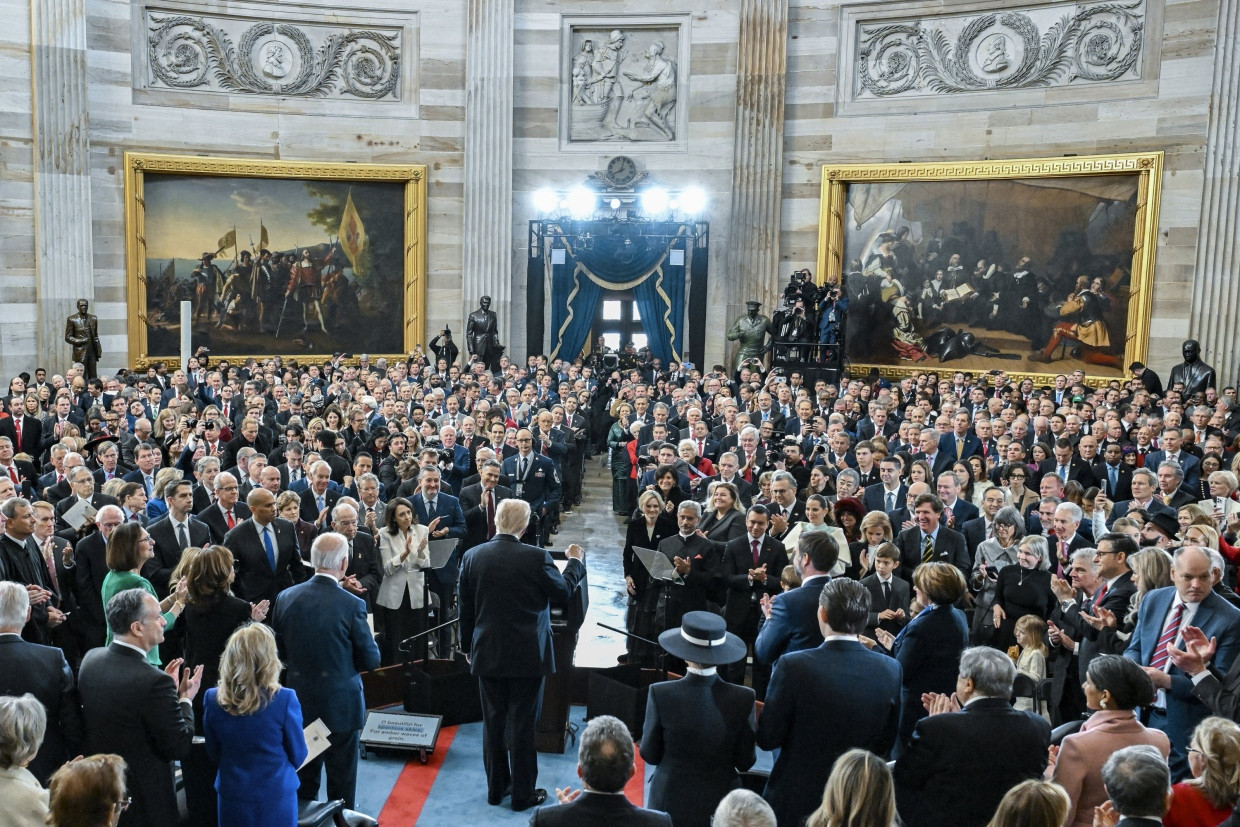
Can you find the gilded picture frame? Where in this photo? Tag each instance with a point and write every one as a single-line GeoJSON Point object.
{"type": "Point", "coordinates": [353, 237]}
{"type": "Point", "coordinates": [888, 233]}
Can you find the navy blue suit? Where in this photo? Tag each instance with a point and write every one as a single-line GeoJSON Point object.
{"type": "Point", "coordinates": [1215, 617]}
{"type": "Point", "coordinates": [947, 449]}
{"type": "Point", "coordinates": [506, 591]}
{"type": "Point", "coordinates": [875, 497]}
{"type": "Point", "coordinates": [1189, 464]}
{"type": "Point", "coordinates": [821, 703]}
{"type": "Point", "coordinates": [793, 624]}
{"type": "Point", "coordinates": [442, 581]}
{"type": "Point", "coordinates": [929, 649]}
{"type": "Point", "coordinates": [541, 485]}
{"type": "Point", "coordinates": [325, 642]}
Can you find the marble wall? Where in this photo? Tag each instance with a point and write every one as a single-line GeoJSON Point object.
{"type": "Point", "coordinates": [1165, 105]}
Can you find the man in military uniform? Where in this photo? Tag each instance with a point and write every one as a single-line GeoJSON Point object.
{"type": "Point", "coordinates": [82, 332]}
{"type": "Point", "coordinates": [750, 331]}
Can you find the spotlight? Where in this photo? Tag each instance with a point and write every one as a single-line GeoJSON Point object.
{"type": "Point", "coordinates": [582, 202]}
{"type": "Point", "coordinates": [655, 201]}
{"type": "Point", "coordinates": [693, 201]}
{"type": "Point", "coordinates": [545, 200]}
{"type": "Point", "coordinates": [615, 203]}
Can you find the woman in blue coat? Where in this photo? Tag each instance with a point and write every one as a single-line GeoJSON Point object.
{"type": "Point", "coordinates": [254, 734]}
{"type": "Point", "coordinates": [929, 647]}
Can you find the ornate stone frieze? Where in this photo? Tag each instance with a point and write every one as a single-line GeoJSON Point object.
{"type": "Point", "coordinates": [1022, 48]}
{"type": "Point", "coordinates": [266, 51]}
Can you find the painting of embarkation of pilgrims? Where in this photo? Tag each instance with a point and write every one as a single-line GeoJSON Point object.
{"type": "Point", "coordinates": [274, 265]}
{"type": "Point", "coordinates": [1036, 273]}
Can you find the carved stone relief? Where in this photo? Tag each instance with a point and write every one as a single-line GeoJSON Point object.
{"type": "Point", "coordinates": [625, 82]}
{"type": "Point", "coordinates": [1039, 46]}
{"type": "Point", "coordinates": [334, 58]}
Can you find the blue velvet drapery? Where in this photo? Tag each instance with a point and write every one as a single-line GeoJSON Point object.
{"type": "Point", "coordinates": [620, 259]}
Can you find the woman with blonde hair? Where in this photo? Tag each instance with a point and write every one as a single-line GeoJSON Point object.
{"type": "Point", "coordinates": [859, 793]}
{"type": "Point", "coordinates": [157, 506]}
{"type": "Point", "coordinates": [875, 529]}
{"type": "Point", "coordinates": [253, 730]}
{"type": "Point", "coordinates": [1032, 803]}
{"type": "Point", "coordinates": [1214, 760]}
{"type": "Point", "coordinates": [88, 793]}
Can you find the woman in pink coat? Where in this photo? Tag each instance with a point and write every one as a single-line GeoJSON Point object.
{"type": "Point", "coordinates": [1115, 687]}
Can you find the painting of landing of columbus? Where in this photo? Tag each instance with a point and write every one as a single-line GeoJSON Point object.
{"type": "Point", "coordinates": [273, 265]}
{"type": "Point", "coordinates": [1031, 274]}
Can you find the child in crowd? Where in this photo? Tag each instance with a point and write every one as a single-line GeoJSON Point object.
{"type": "Point", "coordinates": [1031, 660]}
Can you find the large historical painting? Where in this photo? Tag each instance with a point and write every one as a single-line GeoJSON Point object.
{"type": "Point", "coordinates": [295, 259]}
{"type": "Point", "coordinates": [1037, 267]}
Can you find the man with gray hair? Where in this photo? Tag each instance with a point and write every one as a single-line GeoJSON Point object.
{"type": "Point", "coordinates": [142, 714]}
{"type": "Point", "coordinates": [743, 808]}
{"type": "Point", "coordinates": [786, 510]}
{"type": "Point", "coordinates": [971, 749]}
{"type": "Point", "coordinates": [506, 588]}
{"type": "Point", "coordinates": [698, 564]}
{"type": "Point", "coordinates": [326, 643]}
{"type": "Point", "coordinates": [604, 765]}
{"type": "Point", "coordinates": [1138, 782]}
{"type": "Point", "coordinates": [825, 701]}
{"type": "Point", "coordinates": [44, 672]}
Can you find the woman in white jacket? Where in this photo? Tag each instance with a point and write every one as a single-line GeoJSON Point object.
{"type": "Point", "coordinates": [403, 551]}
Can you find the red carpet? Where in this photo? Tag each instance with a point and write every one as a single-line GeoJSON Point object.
{"type": "Point", "coordinates": [413, 786]}
{"type": "Point", "coordinates": [635, 790]}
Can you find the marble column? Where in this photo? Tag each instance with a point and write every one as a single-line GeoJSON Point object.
{"type": "Point", "coordinates": [63, 251]}
{"type": "Point", "coordinates": [487, 269]}
{"type": "Point", "coordinates": [757, 168]}
{"type": "Point", "coordinates": [1216, 288]}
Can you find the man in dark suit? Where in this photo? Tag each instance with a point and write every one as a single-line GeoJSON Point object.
{"type": "Point", "coordinates": [54, 424]}
{"type": "Point", "coordinates": [727, 467]}
{"type": "Point", "coordinates": [1114, 593]}
{"type": "Point", "coordinates": [1112, 474]}
{"type": "Point", "coordinates": [173, 534]}
{"type": "Point", "coordinates": [478, 503]}
{"type": "Point", "coordinates": [960, 763]}
{"type": "Point", "coordinates": [506, 588]}
{"type": "Point", "coordinates": [956, 510]}
{"type": "Point", "coordinates": [1138, 785]}
{"type": "Point", "coordinates": [929, 540]}
{"type": "Point", "coordinates": [22, 562]}
{"type": "Point", "coordinates": [982, 527]}
{"type": "Point", "coordinates": [752, 565]}
{"type": "Point", "coordinates": [25, 431]}
{"type": "Point", "coordinates": [226, 513]}
{"type": "Point", "coordinates": [1066, 463]}
{"type": "Point", "coordinates": [792, 616]}
{"type": "Point", "coordinates": [89, 570]}
{"type": "Point", "coordinates": [785, 509]}
{"type": "Point", "coordinates": [43, 672]}
{"type": "Point", "coordinates": [961, 443]}
{"type": "Point", "coordinates": [430, 504]}
{"type": "Point", "coordinates": [1171, 448]}
{"type": "Point", "coordinates": [136, 711]}
{"type": "Point", "coordinates": [325, 643]}
{"type": "Point", "coordinates": [318, 496]}
{"type": "Point", "coordinates": [82, 484]}
{"type": "Point", "coordinates": [1190, 601]}
{"type": "Point", "coordinates": [1144, 484]}
{"type": "Point", "coordinates": [604, 764]}
{"type": "Point", "coordinates": [365, 572]}
{"type": "Point", "coordinates": [535, 480]}
{"type": "Point", "coordinates": [265, 551]}
{"type": "Point", "coordinates": [888, 494]}
{"type": "Point", "coordinates": [22, 473]}
{"type": "Point", "coordinates": [825, 701]}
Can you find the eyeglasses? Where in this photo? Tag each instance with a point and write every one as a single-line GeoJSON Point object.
{"type": "Point", "coordinates": [124, 803]}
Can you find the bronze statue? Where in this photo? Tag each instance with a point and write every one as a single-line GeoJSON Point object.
{"type": "Point", "coordinates": [82, 332]}
{"type": "Point", "coordinates": [482, 335]}
{"type": "Point", "coordinates": [750, 331]}
{"type": "Point", "coordinates": [1194, 374]}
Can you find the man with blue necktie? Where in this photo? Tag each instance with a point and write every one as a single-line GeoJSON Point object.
{"type": "Point", "coordinates": [265, 551]}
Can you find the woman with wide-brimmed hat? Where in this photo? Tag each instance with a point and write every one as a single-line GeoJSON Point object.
{"type": "Point", "coordinates": [699, 730]}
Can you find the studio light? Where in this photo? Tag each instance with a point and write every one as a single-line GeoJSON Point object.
{"type": "Point", "coordinates": [545, 200]}
{"type": "Point", "coordinates": [615, 203]}
{"type": "Point", "coordinates": [655, 200]}
{"type": "Point", "coordinates": [582, 202]}
{"type": "Point", "coordinates": [693, 201]}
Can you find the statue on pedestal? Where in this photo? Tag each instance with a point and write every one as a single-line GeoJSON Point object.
{"type": "Point", "coordinates": [1194, 374]}
{"type": "Point", "coordinates": [750, 331]}
{"type": "Point", "coordinates": [482, 335]}
{"type": "Point", "coordinates": [82, 332]}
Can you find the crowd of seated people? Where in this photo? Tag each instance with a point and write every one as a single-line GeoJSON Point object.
{"type": "Point", "coordinates": [1067, 547]}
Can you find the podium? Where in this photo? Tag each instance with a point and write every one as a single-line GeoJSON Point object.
{"type": "Point", "coordinates": [566, 621]}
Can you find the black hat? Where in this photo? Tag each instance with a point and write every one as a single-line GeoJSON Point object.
{"type": "Point", "coordinates": [1166, 523]}
{"type": "Point", "coordinates": [97, 442]}
{"type": "Point", "coordinates": [886, 236]}
{"type": "Point", "coordinates": [206, 256]}
{"type": "Point", "coordinates": [703, 638]}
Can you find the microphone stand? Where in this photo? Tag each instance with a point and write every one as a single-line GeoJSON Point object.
{"type": "Point", "coordinates": [662, 658]}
